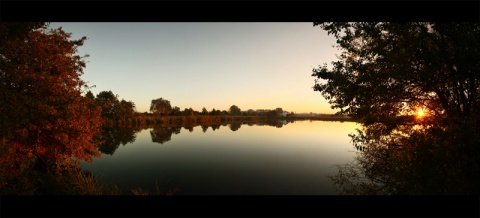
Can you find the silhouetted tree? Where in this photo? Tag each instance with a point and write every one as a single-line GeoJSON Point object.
{"type": "Point", "coordinates": [90, 95]}
{"type": "Point", "coordinates": [160, 106]}
{"type": "Point", "coordinates": [387, 72]}
{"type": "Point", "coordinates": [126, 110]}
{"type": "Point", "coordinates": [176, 111]}
{"type": "Point", "coordinates": [204, 111]}
{"type": "Point", "coordinates": [108, 102]}
{"type": "Point", "coordinates": [235, 110]}
{"type": "Point", "coordinates": [188, 112]}
{"type": "Point", "coordinates": [271, 114]}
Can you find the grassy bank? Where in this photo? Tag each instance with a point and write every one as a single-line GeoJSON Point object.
{"type": "Point", "coordinates": [71, 183]}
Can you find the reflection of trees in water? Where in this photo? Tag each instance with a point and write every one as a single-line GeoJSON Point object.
{"type": "Point", "coordinates": [162, 134]}
{"type": "Point", "coordinates": [215, 127]}
{"type": "Point", "coordinates": [189, 128]}
{"type": "Point", "coordinates": [423, 161]}
{"type": "Point", "coordinates": [274, 122]}
{"type": "Point", "coordinates": [235, 126]}
{"type": "Point", "coordinates": [204, 128]}
{"type": "Point", "coordinates": [277, 123]}
{"type": "Point", "coordinates": [112, 137]}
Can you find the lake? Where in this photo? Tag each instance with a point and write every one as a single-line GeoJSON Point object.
{"type": "Point", "coordinates": [289, 158]}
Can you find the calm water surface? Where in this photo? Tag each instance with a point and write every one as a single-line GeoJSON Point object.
{"type": "Point", "coordinates": [292, 160]}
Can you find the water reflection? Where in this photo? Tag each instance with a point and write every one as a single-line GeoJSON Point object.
{"type": "Point", "coordinates": [215, 127]}
{"type": "Point", "coordinates": [112, 137]}
{"type": "Point", "coordinates": [257, 158]}
{"type": "Point", "coordinates": [204, 128]}
{"type": "Point", "coordinates": [162, 134]}
{"type": "Point", "coordinates": [412, 161]}
{"type": "Point", "coordinates": [275, 123]}
{"type": "Point", "coordinates": [235, 126]}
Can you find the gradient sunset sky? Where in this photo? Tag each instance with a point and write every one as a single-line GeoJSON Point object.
{"type": "Point", "coordinates": [211, 65]}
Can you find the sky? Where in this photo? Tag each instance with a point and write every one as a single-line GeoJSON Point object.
{"type": "Point", "coordinates": [211, 65]}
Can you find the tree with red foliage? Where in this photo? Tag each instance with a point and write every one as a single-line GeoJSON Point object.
{"type": "Point", "coordinates": [45, 119]}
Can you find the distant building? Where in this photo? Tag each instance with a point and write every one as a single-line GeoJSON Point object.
{"type": "Point", "coordinates": [283, 114]}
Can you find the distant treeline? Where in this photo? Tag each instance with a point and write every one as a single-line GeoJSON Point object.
{"type": "Point", "coordinates": [117, 112]}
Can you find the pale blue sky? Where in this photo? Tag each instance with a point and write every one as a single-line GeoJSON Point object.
{"type": "Point", "coordinates": [211, 65]}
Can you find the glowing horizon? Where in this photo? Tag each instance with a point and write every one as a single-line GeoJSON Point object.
{"type": "Point", "coordinates": [211, 65]}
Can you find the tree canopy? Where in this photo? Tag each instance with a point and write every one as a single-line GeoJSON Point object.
{"type": "Point", "coordinates": [45, 118]}
{"type": "Point", "coordinates": [107, 101]}
{"type": "Point", "coordinates": [414, 87]}
{"type": "Point", "coordinates": [204, 111]}
{"type": "Point", "coordinates": [160, 106]}
{"type": "Point", "coordinates": [235, 110]}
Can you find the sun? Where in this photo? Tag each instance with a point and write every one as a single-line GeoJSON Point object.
{"type": "Point", "coordinates": [420, 113]}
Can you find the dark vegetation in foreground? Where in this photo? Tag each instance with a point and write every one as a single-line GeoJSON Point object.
{"type": "Point", "coordinates": [389, 70]}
